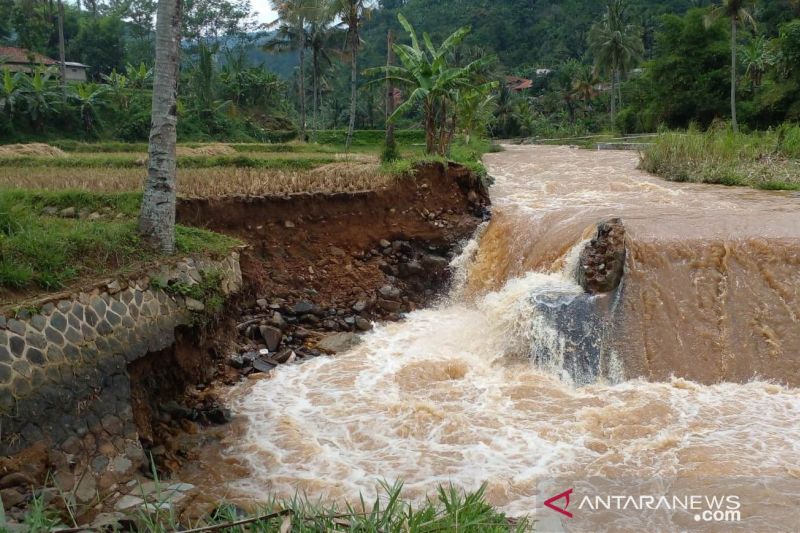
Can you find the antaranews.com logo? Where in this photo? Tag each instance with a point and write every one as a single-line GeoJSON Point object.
{"type": "Point", "coordinates": [724, 508]}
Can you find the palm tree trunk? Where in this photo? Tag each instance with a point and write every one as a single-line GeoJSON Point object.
{"type": "Point", "coordinates": [302, 88]}
{"type": "Point", "coordinates": [390, 142]}
{"type": "Point", "coordinates": [353, 90]}
{"type": "Point", "coordinates": [734, 123]}
{"type": "Point", "coordinates": [315, 75]}
{"type": "Point", "coordinates": [62, 58]}
{"type": "Point", "coordinates": [157, 218]}
{"type": "Point", "coordinates": [613, 97]}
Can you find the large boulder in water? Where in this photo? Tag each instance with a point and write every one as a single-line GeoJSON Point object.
{"type": "Point", "coordinates": [602, 261]}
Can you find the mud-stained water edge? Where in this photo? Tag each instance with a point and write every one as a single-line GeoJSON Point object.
{"type": "Point", "coordinates": [707, 310]}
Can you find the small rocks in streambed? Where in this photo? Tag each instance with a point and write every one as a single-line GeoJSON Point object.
{"type": "Point", "coordinates": [272, 337]}
{"type": "Point", "coordinates": [387, 291]}
{"type": "Point", "coordinates": [303, 307]}
{"type": "Point", "coordinates": [287, 355]}
{"type": "Point", "coordinates": [384, 243]}
{"type": "Point", "coordinates": [278, 321]}
{"type": "Point", "coordinates": [436, 262]}
{"type": "Point", "coordinates": [176, 411]}
{"type": "Point", "coordinates": [219, 415]}
{"type": "Point", "coordinates": [359, 306]}
{"type": "Point", "coordinates": [390, 305]}
{"type": "Point", "coordinates": [260, 365]}
{"type": "Point", "coordinates": [338, 342]}
{"type": "Point", "coordinates": [363, 324]}
{"type": "Point", "coordinates": [411, 269]}
{"type": "Point", "coordinates": [236, 361]}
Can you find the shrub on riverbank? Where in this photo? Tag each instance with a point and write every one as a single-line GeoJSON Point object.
{"type": "Point", "coordinates": [765, 160]}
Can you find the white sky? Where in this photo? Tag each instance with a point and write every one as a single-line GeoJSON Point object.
{"type": "Point", "coordinates": [265, 13]}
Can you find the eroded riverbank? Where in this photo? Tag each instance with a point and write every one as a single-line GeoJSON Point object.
{"type": "Point", "coordinates": [318, 270]}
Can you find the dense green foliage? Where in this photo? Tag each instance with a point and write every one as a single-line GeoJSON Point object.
{"type": "Point", "coordinates": [629, 66]}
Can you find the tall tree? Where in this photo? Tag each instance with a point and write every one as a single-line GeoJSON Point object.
{"type": "Point", "coordinates": [736, 11]}
{"type": "Point", "coordinates": [157, 218]}
{"type": "Point", "coordinates": [319, 36]}
{"type": "Point", "coordinates": [62, 60]}
{"type": "Point", "coordinates": [617, 45]}
{"type": "Point", "coordinates": [291, 35]}
{"type": "Point", "coordinates": [353, 12]}
{"type": "Point", "coordinates": [390, 150]}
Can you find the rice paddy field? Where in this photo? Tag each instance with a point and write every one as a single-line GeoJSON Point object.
{"type": "Point", "coordinates": [203, 170]}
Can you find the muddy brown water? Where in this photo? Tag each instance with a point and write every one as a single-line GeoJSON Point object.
{"type": "Point", "coordinates": [679, 405]}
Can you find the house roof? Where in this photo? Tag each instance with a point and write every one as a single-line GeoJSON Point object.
{"type": "Point", "coordinates": [75, 64]}
{"type": "Point", "coordinates": [10, 54]}
{"type": "Point", "coordinates": [518, 84]}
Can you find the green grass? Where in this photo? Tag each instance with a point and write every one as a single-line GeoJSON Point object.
{"type": "Point", "coordinates": [468, 155]}
{"type": "Point", "coordinates": [766, 160]}
{"type": "Point", "coordinates": [49, 252]}
{"type": "Point", "coordinates": [450, 510]}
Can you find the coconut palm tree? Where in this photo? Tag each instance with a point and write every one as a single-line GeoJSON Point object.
{"type": "Point", "coordinates": [736, 11]}
{"type": "Point", "coordinates": [320, 37]}
{"type": "Point", "coordinates": [290, 36]}
{"type": "Point", "coordinates": [617, 46]}
{"type": "Point", "coordinates": [157, 217]}
{"type": "Point", "coordinates": [353, 13]}
{"type": "Point", "coordinates": [432, 82]}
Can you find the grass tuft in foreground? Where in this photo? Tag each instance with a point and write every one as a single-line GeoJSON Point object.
{"type": "Point", "coordinates": [46, 251]}
{"type": "Point", "coordinates": [765, 160]}
{"type": "Point", "coordinates": [451, 509]}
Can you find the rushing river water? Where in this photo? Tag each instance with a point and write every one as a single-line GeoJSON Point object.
{"type": "Point", "coordinates": [450, 394]}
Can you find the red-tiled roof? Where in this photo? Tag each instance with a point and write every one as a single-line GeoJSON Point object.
{"type": "Point", "coordinates": [10, 54]}
{"type": "Point", "coordinates": [518, 84]}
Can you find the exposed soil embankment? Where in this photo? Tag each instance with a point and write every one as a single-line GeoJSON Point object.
{"type": "Point", "coordinates": [321, 264]}
{"type": "Point", "coordinates": [332, 247]}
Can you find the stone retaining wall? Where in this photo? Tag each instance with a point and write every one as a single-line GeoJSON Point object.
{"type": "Point", "coordinates": [63, 370]}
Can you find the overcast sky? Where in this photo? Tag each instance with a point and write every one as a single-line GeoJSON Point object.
{"type": "Point", "coordinates": [265, 13]}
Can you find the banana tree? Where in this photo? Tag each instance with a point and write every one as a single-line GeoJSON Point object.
{"type": "Point", "coordinates": [474, 109]}
{"type": "Point", "coordinates": [433, 83]}
{"type": "Point", "coordinates": [11, 92]}
{"type": "Point", "coordinates": [88, 98]}
{"type": "Point", "coordinates": [118, 87]}
{"type": "Point", "coordinates": [41, 95]}
{"type": "Point", "coordinates": [139, 77]}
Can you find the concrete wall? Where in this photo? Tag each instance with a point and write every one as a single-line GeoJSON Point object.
{"type": "Point", "coordinates": [63, 370]}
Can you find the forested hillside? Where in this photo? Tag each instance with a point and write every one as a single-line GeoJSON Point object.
{"type": "Point", "coordinates": [624, 65]}
{"type": "Point", "coordinates": [537, 32]}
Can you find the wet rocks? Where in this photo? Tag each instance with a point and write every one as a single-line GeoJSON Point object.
{"type": "Point", "coordinates": [602, 262]}
{"type": "Point", "coordinates": [272, 337]}
{"type": "Point", "coordinates": [338, 342]}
